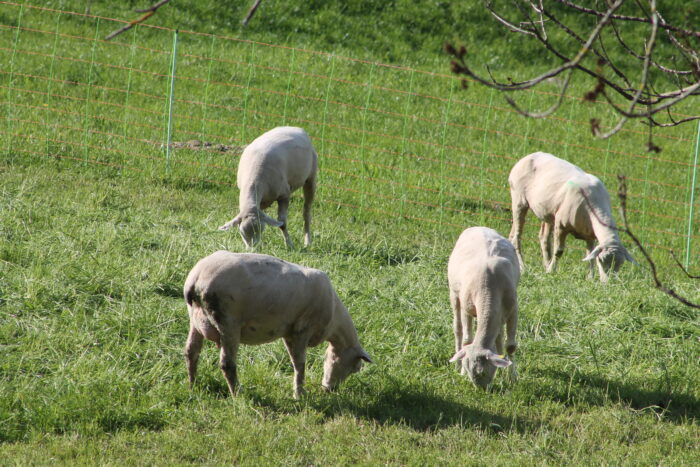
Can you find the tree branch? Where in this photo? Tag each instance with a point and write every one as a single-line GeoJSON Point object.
{"type": "Point", "coordinates": [150, 11]}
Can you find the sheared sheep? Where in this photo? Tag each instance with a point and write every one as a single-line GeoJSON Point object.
{"type": "Point", "coordinates": [483, 274]}
{"type": "Point", "coordinates": [568, 201]}
{"type": "Point", "coordinates": [274, 165]}
{"type": "Point", "coordinates": [247, 298]}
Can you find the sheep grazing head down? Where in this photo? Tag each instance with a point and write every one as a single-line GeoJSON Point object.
{"type": "Point", "coordinates": [480, 364]}
{"type": "Point", "coordinates": [609, 258]}
{"type": "Point", "coordinates": [251, 225]}
{"type": "Point", "coordinates": [338, 366]}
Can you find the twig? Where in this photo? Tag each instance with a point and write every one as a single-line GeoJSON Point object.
{"type": "Point", "coordinates": [622, 196]}
{"type": "Point", "coordinates": [251, 12]}
{"type": "Point", "coordinates": [150, 11]}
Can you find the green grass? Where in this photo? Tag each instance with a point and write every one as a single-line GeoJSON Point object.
{"type": "Point", "coordinates": [96, 238]}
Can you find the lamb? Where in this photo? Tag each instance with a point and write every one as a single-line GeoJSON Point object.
{"type": "Point", "coordinates": [248, 298]}
{"type": "Point", "coordinates": [568, 201]}
{"type": "Point", "coordinates": [483, 274]}
{"type": "Point", "coordinates": [274, 165]}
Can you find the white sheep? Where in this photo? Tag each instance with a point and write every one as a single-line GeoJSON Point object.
{"type": "Point", "coordinates": [274, 165]}
{"type": "Point", "coordinates": [483, 274]}
{"type": "Point", "coordinates": [568, 201]}
{"type": "Point", "coordinates": [247, 298]}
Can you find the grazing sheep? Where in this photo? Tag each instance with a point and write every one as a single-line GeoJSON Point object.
{"type": "Point", "coordinates": [247, 298]}
{"type": "Point", "coordinates": [274, 165]}
{"type": "Point", "coordinates": [483, 274]}
{"type": "Point", "coordinates": [568, 201]}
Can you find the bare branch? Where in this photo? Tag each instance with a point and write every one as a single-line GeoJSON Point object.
{"type": "Point", "coordinates": [673, 255]}
{"type": "Point", "coordinates": [150, 11]}
{"type": "Point", "coordinates": [668, 27]}
{"type": "Point", "coordinates": [658, 284]}
{"type": "Point", "coordinates": [251, 12]}
{"type": "Point", "coordinates": [643, 100]}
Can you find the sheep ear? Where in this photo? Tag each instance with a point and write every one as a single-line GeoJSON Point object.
{"type": "Point", "coordinates": [365, 356]}
{"type": "Point", "coordinates": [459, 355]}
{"type": "Point", "coordinates": [499, 361]}
{"type": "Point", "coordinates": [232, 223]}
{"type": "Point", "coordinates": [629, 258]}
{"type": "Point", "coordinates": [269, 220]}
{"type": "Point", "coordinates": [593, 254]}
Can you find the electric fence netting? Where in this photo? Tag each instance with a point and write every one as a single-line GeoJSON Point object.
{"type": "Point", "coordinates": [403, 143]}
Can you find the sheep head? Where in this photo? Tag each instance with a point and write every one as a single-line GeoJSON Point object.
{"type": "Point", "coordinates": [610, 258]}
{"type": "Point", "coordinates": [251, 225]}
{"type": "Point", "coordinates": [339, 365]}
{"type": "Point", "coordinates": [480, 364]}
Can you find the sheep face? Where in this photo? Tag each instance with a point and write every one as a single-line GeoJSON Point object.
{"type": "Point", "coordinates": [480, 364]}
{"type": "Point", "coordinates": [609, 258]}
{"type": "Point", "coordinates": [338, 366]}
{"type": "Point", "coordinates": [252, 224]}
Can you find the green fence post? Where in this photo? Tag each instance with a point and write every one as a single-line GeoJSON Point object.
{"type": "Point", "coordinates": [482, 160]}
{"type": "Point", "coordinates": [10, 105]}
{"type": "Point", "coordinates": [692, 200]}
{"type": "Point", "coordinates": [402, 160]}
{"type": "Point", "coordinates": [86, 122]}
{"type": "Point", "coordinates": [49, 88]}
{"type": "Point", "coordinates": [206, 87]}
{"type": "Point", "coordinates": [325, 110]}
{"type": "Point", "coordinates": [442, 160]}
{"type": "Point", "coordinates": [289, 86]}
{"type": "Point", "coordinates": [128, 86]}
{"type": "Point", "coordinates": [171, 98]}
{"type": "Point", "coordinates": [364, 128]}
{"type": "Point", "coordinates": [251, 66]}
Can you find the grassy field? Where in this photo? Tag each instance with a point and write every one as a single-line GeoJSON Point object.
{"type": "Point", "coordinates": [98, 231]}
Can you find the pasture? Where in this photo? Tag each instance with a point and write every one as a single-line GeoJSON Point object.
{"type": "Point", "coordinates": [99, 226]}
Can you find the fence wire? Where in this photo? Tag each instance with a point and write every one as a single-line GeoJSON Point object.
{"type": "Point", "coordinates": [392, 140]}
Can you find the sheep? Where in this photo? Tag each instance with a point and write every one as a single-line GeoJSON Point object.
{"type": "Point", "coordinates": [483, 275]}
{"type": "Point", "coordinates": [274, 165]}
{"type": "Point", "coordinates": [568, 201]}
{"type": "Point", "coordinates": [248, 298]}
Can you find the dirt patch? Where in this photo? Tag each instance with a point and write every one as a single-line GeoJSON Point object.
{"type": "Point", "coordinates": [197, 145]}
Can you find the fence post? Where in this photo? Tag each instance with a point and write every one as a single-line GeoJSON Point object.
{"type": "Point", "coordinates": [11, 83]}
{"type": "Point", "coordinates": [483, 156]}
{"type": "Point", "coordinates": [402, 161]}
{"type": "Point", "coordinates": [171, 98]}
{"type": "Point", "coordinates": [364, 128]}
{"type": "Point", "coordinates": [251, 66]}
{"type": "Point", "coordinates": [442, 159]}
{"type": "Point", "coordinates": [206, 87]}
{"type": "Point", "coordinates": [289, 86]}
{"type": "Point", "coordinates": [325, 108]}
{"type": "Point", "coordinates": [128, 86]}
{"type": "Point", "coordinates": [692, 199]}
{"type": "Point", "coordinates": [86, 123]}
{"type": "Point", "coordinates": [49, 88]}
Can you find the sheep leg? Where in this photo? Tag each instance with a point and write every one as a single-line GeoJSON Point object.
{"type": "Point", "coordinates": [192, 349]}
{"type": "Point", "coordinates": [559, 244]}
{"type": "Point", "coordinates": [227, 359]}
{"type": "Point", "coordinates": [519, 214]}
{"type": "Point", "coordinates": [590, 244]}
{"type": "Point", "coordinates": [296, 348]}
{"type": "Point", "coordinates": [468, 323]}
{"type": "Point", "coordinates": [456, 323]}
{"type": "Point", "coordinates": [546, 243]}
{"type": "Point", "coordinates": [511, 343]}
{"type": "Point", "coordinates": [282, 209]}
{"type": "Point", "coordinates": [309, 192]}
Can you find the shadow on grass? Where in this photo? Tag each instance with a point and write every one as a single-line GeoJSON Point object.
{"type": "Point", "coordinates": [594, 390]}
{"type": "Point", "coordinates": [401, 406]}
